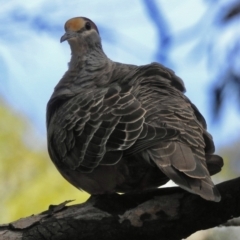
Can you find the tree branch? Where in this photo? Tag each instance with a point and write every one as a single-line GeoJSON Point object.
{"type": "Point", "coordinates": [155, 13]}
{"type": "Point", "coordinates": [151, 214]}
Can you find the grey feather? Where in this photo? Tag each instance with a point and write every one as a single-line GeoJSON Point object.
{"type": "Point", "coordinates": [117, 127]}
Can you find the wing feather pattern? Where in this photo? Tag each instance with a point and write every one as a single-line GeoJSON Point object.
{"type": "Point", "coordinates": [96, 131]}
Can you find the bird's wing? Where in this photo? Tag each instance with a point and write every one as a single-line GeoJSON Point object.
{"type": "Point", "coordinates": [183, 159]}
{"type": "Point", "coordinates": [95, 127]}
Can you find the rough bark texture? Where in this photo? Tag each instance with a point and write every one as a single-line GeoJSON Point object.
{"type": "Point", "coordinates": [169, 213]}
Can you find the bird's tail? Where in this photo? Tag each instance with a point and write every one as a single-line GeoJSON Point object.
{"type": "Point", "coordinates": [214, 163]}
{"type": "Point", "coordinates": [188, 169]}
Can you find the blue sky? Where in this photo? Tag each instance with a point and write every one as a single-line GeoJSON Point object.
{"type": "Point", "coordinates": [32, 60]}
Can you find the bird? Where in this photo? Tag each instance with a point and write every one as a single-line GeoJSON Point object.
{"type": "Point", "coordinates": [122, 128]}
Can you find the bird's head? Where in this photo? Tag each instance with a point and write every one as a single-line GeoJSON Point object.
{"type": "Point", "coordinates": [81, 31]}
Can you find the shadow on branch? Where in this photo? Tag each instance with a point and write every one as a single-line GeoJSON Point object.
{"type": "Point", "coordinates": [167, 213]}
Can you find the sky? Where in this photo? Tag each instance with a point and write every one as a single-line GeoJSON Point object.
{"type": "Point", "coordinates": [32, 60]}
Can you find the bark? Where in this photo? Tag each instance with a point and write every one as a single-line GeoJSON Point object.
{"type": "Point", "coordinates": [167, 213]}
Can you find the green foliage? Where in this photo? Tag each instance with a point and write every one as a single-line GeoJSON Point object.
{"type": "Point", "coordinates": [29, 182]}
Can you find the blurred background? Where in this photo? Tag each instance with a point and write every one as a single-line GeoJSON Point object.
{"type": "Point", "coordinates": [199, 40]}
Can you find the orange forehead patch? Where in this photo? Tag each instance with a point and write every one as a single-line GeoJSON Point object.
{"type": "Point", "coordinates": [74, 24]}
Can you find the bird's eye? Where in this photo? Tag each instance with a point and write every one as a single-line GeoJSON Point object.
{"type": "Point", "coordinates": [88, 25]}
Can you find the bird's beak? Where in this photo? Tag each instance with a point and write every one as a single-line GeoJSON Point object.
{"type": "Point", "coordinates": [67, 36]}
